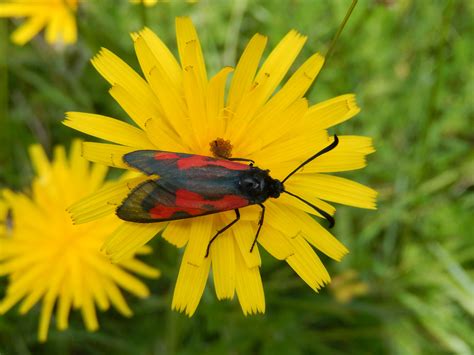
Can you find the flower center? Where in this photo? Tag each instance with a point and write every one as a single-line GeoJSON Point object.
{"type": "Point", "coordinates": [221, 148]}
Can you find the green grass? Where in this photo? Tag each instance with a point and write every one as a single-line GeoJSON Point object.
{"type": "Point", "coordinates": [410, 65]}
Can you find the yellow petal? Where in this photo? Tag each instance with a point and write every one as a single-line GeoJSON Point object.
{"type": "Point", "coordinates": [10, 300]}
{"type": "Point", "coordinates": [48, 304]}
{"type": "Point", "coordinates": [280, 60]}
{"type": "Point", "coordinates": [69, 29]}
{"type": "Point", "coordinates": [145, 250]}
{"type": "Point", "coordinates": [45, 319]}
{"type": "Point", "coordinates": [200, 233]}
{"type": "Point", "coordinates": [167, 88]}
{"type": "Point", "coordinates": [332, 112]}
{"type": "Point", "coordinates": [116, 298]}
{"type": "Point", "coordinates": [53, 28]}
{"type": "Point", "coordinates": [140, 268]}
{"type": "Point", "coordinates": [189, 49]}
{"type": "Point", "coordinates": [32, 298]}
{"type": "Point", "coordinates": [244, 233]}
{"type": "Point", "coordinates": [307, 264]}
{"type": "Point", "coordinates": [107, 154]}
{"type": "Point", "coordinates": [24, 260]}
{"type": "Point", "coordinates": [117, 274]}
{"type": "Point", "coordinates": [196, 104]}
{"type": "Point", "coordinates": [349, 154]}
{"type": "Point", "coordinates": [103, 201]}
{"type": "Point", "coordinates": [276, 218]}
{"type": "Point", "coordinates": [333, 188]}
{"type": "Point", "coordinates": [65, 301]}
{"type": "Point", "coordinates": [28, 30]}
{"type": "Point", "coordinates": [40, 160]}
{"type": "Point", "coordinates": [177, 232]}
{"type": "Point", "coordinates": [24, 281]}
{"type": "Point", "coordinates": [172, 102]}
{"type": "Point", "coordinates": [269, 77]}
{"type": "Point", "coordinates": [294, 88]}
{"type": "Point", "coordinates": [128, 238]}
{"type": "Point", "coordinates": [88, 312]}
{"type": "Point", "coordinates": [108, 128]}
{"type": "Point", "coordinates": [294, 150]}
{"type": "Point", "coordinates": [78, 164]}
{"type": "Point", "coordinates": [223, 266]}
{"type": "Point", "coordinates": [190, 285]}
{"type": "Point", "coordinates": [117, 72]}
{"type": "Point", "coordinates": [249, 287]}
{"type": "Point", "coordinates": [136, 106]}
{"type": "Point", "coordinates": [284, 126]}
{"type": "Point", "coordinates": [314, 233]}
{"type": "Point", "coordinates": [292, 201]}
{"type": "Point", "coordinates": [163, 56]}
{"type": "Point", "coordinates": [245, 71]}
{"type": "Point", "coordinates": [97, 176]}
{"type": "Point", "coordinates": [76, 281]}
{"type": "Point", "coordinates": [215, 102]}
{"type": "Point", "coordinates": [15, 9]}
{"type": "Point", "coordinates": [94, 284]}
{"type": "Point", "coordinates": [162, 139]}
{"type": "Point", "coordinates": [275, 242]}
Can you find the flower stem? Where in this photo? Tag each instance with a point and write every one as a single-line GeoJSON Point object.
{"type": "Point", "coordinates": [144, 15]}
{"type": "Point", "coordinates": [339, 31]}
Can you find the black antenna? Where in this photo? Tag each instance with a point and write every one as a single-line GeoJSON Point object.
{"type": "Point", "coordinates": [321, 152]}
{"type": "Point", "coordinates": [326, 215]}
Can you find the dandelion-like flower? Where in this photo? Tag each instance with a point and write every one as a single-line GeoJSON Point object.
{"type": "Point", "coordinates": [56, 16]}
{"type": "Point", "coordinates": [48, 258]}
{"type": "Point", "coordinates": [176, 108]}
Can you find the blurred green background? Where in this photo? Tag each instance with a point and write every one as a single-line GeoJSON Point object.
{"type": "Point", "coordinates": [407, 285]}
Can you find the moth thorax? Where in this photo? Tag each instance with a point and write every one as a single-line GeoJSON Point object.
{"type": "Point", "coordinates": [221, 148]}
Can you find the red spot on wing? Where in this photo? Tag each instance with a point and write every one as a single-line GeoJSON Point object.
{"type": "Point", "coordinates": [228, 202]}
{"type": "Point", "coordinates": [164, 156]}
{"type": "Point", "coordinates": [166, 212]}
{"type": "Point", "coordinates": [197, 161]}
{"type": "Point", "coordinates": [194, 204]}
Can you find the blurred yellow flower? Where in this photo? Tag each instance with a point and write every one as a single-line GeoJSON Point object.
{"type": "Point", "coordinates": [48, 258]}
{"type": "Point", "coordinates": [348, 285]}
{"type": "Point", "coordinates": [57, 16]}
{"type": "Point", "coordinates": [4, 220]}
{"type": "Point", "coordinates": [177, 108]}
{"type": "Point", "coordinates": [148, 3]}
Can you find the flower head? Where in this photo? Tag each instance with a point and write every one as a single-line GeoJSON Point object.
{"type": "Point", "coordinates": [48, 258]}
{"type": "Point", "coordinates": [177, 108]}
{"type": "Point", "coordinates": [56, 16]}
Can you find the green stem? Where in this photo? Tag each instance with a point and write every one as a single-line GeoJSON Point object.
{"type": "Point", "coordinates": [339, 31]}
{"type": "Point", "coordinates": [144, 15]}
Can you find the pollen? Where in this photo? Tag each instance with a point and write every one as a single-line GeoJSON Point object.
{"type": "Point", "coordinates": [221, 148]}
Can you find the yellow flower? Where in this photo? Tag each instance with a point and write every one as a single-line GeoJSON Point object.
{"type": "Point", "coordinates": [177, 108]}
{"type": "Point", "coordinates": [151, 3]}
{"type": "Point", "coordinates": [48, 258]}
{"type": "Point", "coordinates": [148, 3]}
{"type": "Point", "coordinates": [57, 16]}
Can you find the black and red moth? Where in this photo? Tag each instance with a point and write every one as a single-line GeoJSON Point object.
{"type": "Point", "coordinates": [192, 185]}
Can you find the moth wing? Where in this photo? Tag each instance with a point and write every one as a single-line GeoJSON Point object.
{"type": "Point", "coordinates": [160, 200]}
{"type": "Point", "coordinates": [153, 161]}
{"type": "Point", "coordinates": [151, 201]}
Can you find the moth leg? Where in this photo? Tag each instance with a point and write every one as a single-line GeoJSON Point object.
{"type": "Point", "coordinates": [260, 224]}
{"type": "Point", "coordinates": [237, 217]}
